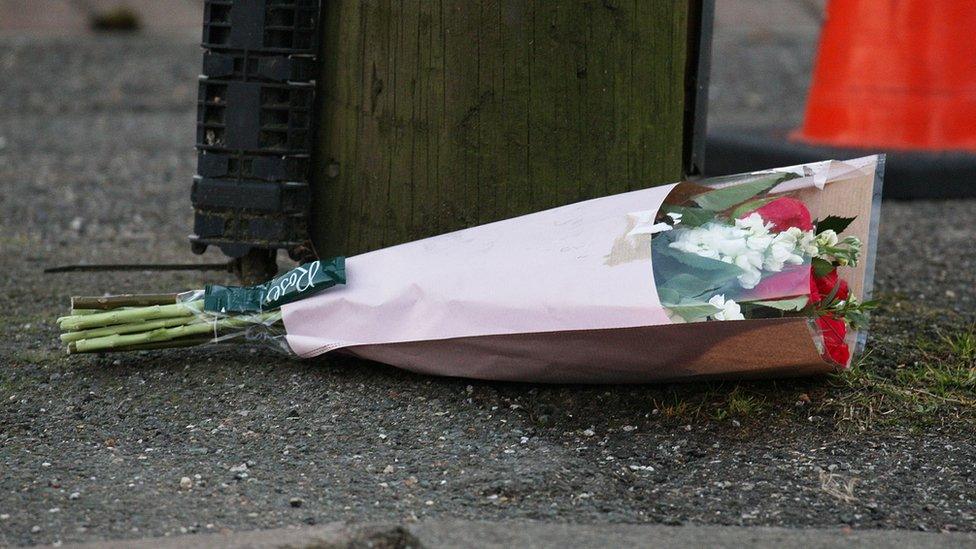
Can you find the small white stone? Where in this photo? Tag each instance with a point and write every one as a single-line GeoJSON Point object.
{"type": "Point", "coordinates": [4, 516]}
{"type": "Point", "coordinates": [74, 495]}
{"type": "Point", "coordinates": [589, 432]}
{"type": "Point", "coordinates": [388, 469]}
{"type": "Point", "coordinates": [186, 483]}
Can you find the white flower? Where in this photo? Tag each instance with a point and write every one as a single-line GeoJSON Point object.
{"type": "Point", "coordinates": [693, 241]}
{"type": "Point", "coordinates": [782, 251]}
{"type": "Point", "coordinates": [832, 248]}
{"type": "Point", "coordinates": [753, 224]}
{"type": "Point", "coordinates": [750, 262]}
{"type": "Point", "coordinates": [725, 242]}
{"type": "Point", "coordinates": [728, 309]}
{"type": "Point", "coordinates": [749, 245]}
{"type": "Point", "coordinates": [675, 217]}
{"type": "Point", "coordinates": [750, 279]}
{"type": "Point", "coordinates": [827, 238]}
{"type": "Point", "coordinates": [760, 243]}
{"type": "Point", "coordinates": [806, 241]}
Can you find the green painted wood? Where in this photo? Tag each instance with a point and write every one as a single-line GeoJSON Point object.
{"type": "Point", "coordinates": [437, 115]}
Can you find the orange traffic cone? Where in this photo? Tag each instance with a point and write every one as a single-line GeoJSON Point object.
{"type": "Point", "coordinates": [895, 74]}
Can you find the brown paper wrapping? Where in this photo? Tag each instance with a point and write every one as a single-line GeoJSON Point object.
{"type": "Point", "coordinates": [746, 349]}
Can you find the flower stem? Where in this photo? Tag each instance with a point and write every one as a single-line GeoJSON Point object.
{"type": "Point", "coordinates": [171, 344]}
{"type": "Point", "coordinates": [125, 316]}
{"type": "Point", "coordinates": [115, 341]}
{"type": "Point", "coordinates": [124, 300]}
{"type": "Point", "coordinates": [131, 327]}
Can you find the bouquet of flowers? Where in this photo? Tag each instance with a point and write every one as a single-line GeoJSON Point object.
{"type": "Point", "coordinates": [741, 252]}
{"type": "Point", "coordinates": [755, 275]}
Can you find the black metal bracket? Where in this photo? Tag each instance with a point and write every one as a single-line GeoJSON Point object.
{"type": "Point", "coordinates": [255, 126]}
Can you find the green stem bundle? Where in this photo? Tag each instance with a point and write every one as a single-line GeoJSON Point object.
{"type": "Point", "coordinates": [132, 323]}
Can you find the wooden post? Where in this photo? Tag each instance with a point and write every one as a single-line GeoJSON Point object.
{"type": "Point", "coordinates": [435, 115]}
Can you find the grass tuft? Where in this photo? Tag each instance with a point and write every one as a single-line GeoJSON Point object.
{"type": "Point", "coordinates": [739, 404]}
{"type": "Point", "coordinates": [934, 382]}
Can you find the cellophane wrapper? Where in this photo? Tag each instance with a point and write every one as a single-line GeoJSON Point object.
{"type": "Point", "coordinates": [263, 329]}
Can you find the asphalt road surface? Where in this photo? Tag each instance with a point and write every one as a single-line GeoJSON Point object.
{"type": "Point", "coordinates": [96, 159]}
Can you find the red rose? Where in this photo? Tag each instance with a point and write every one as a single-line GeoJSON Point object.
{"type": "Point", "coordinates": [784, 213]}
{"type": "Point", "coordinates": [815, 296]}
{"type": "Point", "coordinates": [834, 330]}
{"type": "Point", "coordinates": [824, 285]}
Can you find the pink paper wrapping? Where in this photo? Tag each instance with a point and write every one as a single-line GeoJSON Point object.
{"type": "Point", "coordinates": [543, 272]}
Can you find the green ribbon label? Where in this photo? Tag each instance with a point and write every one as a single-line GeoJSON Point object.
{"type": "Point", "coordinates": [298, 283]}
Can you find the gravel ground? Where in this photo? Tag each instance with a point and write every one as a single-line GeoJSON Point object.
{"type": "Point", "coordinates": [95, 163]}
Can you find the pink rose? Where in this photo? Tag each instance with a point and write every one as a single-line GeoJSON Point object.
{"type": "Point", "coordinates": [784, 213]}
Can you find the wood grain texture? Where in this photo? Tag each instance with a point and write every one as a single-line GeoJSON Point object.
{"type": "Point", "coordinates": [437, 115]}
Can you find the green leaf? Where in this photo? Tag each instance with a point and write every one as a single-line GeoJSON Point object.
{"type": "Point", "coordinates": [662, 246]}
{"type": "Point", "coordinates": [834, 223]}
{"type": "Point", "coordinates": [714, 272]}
{"type": "Point", "coordinates": [857, 319]}
{"type": "Point", "coordinates": [688, 285]}
{"type": "Point", "coordinates": [821, 267]}
{"type": "Point", "coordinates": [739, 211]}
{"type": "Point", "coordinates": [791, 304]}
{"type": "Point", "coordinates": [726, 197]}
{"type": "Point", "coordinates": [693, 310]}
{"type": "Point", "coordinates": [691, 217]}
{"type": "Point", "coordinates": [667, 295]}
